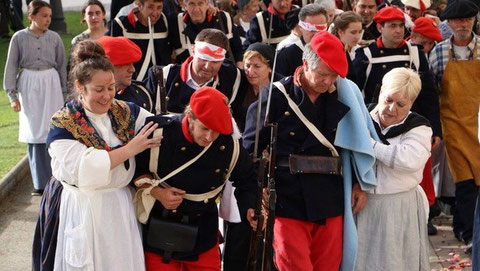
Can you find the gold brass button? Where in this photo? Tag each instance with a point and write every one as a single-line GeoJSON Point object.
{"type": "Point", "coordinates": [286, 113]}
{"type": "Point", "coordinates": [136, 91]}
{"type": "Point", "coordinates": [217, 170]}
{"type": "Point", "coordinates": [167, 98]}
{"type": "Point", "coordinates": [144, 105]}
{"type": "Point", "coordinates": [291, 133]}
{"type": "Point", "coordinates": [384, 66]}
{"type": "Point", "coordinates": [406, 64]}
{"type": "Point", "coordinates": [177, 84]}
{"type": "Point", "coordinates": [381, 51]}
{"type": "Point", "coordinates": [183, 148]}
{"type": "Point", "coordinates": [222, 148]}
{"type": "Point", "coordinates": [405, 51]}
{"type": "Point", "coordinates": [212, 188]}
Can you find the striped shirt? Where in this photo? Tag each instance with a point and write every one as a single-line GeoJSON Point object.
{"type": "Point", "coordinates": [439, 56]}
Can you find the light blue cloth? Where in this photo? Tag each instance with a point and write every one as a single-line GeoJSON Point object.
{"type": "Point", "coordinates": [353, 136]}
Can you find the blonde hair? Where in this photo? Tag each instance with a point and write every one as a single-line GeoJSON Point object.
{"type": "Point", "coordinates": [252, 53]}
{"type": "Point", "coordinates": [402, 80]}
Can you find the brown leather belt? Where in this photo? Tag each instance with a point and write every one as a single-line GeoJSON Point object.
{"type": "Point", "coordinates": [303, 164]}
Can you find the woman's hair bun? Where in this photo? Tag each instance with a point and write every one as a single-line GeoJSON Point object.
{"type": "Point", "coordinates": [86, 49]}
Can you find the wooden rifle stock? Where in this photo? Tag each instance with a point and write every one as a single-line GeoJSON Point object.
{"type": "Point", "coordinates": [257, 236]}
{"type": "Point", "coordinates": [272, 201]}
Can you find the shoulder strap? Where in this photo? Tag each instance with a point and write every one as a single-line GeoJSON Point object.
{"type": "Point", "coordinates": [142, 88]}
{"type": "Point", "coordinates": [414, 56]}
{"type": "Point", "coordinates": [305, 121]}
{"type": "Point", "coordinates": [235, 87]}
{"type": "Point", "coordinates": [261, 26]}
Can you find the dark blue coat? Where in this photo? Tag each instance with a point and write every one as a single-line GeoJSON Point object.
{"type": "Point", "coordinates": [138, 94]}
{"type": "Point", "coordinates": [206, 174]}
{"type": "Point", "coordinates": [279, 27]}
{"type": "Point", "coordinates": [289, 59]}
{"type": "Point", "coordinates": [308, 197]}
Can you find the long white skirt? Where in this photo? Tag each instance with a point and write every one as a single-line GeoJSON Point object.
{"type": "Point", "coordinates": [392, 233]}
{"type": "Point", "coordinates": [40, 97]}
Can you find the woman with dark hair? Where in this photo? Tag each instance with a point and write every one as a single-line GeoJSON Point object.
{"type": "Point", "coordinates": [348, 28]}
{"type": "Point", "coordinates": [35, 78]}
{"type": "Point", "coordinates": [93, 13]}
{"type": "Point", "coordinates": [87, 220]}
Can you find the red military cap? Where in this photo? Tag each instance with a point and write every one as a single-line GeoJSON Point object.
{"type": "Point", "coordinates": [388, 14]}
{"type": "Point", "coordinates": [330, 50]}
{"type": "Point", "coordinates": [210, 106]}
{"type": "Point", "coordinates": [428, 28]}
{"type": "Point", "coordinates": [120, 50]}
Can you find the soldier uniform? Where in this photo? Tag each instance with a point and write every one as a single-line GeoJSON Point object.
{"type": "Point", "coordinates": [186, 32]}
{"type": "Point", "coordinates": [290, 58]}
{"type": "Point", "coordinates": [128, 26]}
{"type": "Point", "coordinates": [138, 94]}
{"type": "Point", "coordinates": [260, 28]}
{"type": "Point", "coordinates": [227, 81]}
{"type": "Point", "coordinates": [206, 174]}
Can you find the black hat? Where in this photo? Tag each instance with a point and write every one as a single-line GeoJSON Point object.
{"type": "Point", "coordinates": [265, 50]}
{"type": "Point", "coordinates": [460, 9]}
{"type": "Point", "coordinates": [291, 18]}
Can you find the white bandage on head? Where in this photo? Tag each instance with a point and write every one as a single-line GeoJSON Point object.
{"type": "Point", "coordinates": [312, 27]}
{"type": "Point", "coordinates": [209, 52]}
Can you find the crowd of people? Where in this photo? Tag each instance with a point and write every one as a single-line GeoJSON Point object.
{"type": "Point", "coordinates": [159, 126]}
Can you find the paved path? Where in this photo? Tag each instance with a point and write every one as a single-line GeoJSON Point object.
{"type": "Point", "coordinates": [18, 215]}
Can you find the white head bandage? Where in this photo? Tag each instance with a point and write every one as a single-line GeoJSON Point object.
{"type": "Point", "coordinates": [312, 27]}
{"type": "Point", "coordinates": [209, 52]}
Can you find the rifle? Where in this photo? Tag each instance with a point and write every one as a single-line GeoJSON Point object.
{"type": "Point", "coordinates": [161, 95]}
{"type": "Point", "coordinates": [257, 237]}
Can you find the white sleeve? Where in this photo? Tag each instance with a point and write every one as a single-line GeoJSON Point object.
{"type": "Point", "coordinates": [410, 154]}
{"type": "Point", "coordinates": [78, 165]}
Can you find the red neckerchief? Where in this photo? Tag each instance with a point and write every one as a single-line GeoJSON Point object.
{"type": "Point", "coordinates": [185, 131]}
{"type": "Point", "coordinates": [184, 69]}
{"type": "Point", "coordinates": [186, 17]}
{"type": "Point", "coordinates": [380, 43]}
{"type": "Point", "coordinates": [132, 19]}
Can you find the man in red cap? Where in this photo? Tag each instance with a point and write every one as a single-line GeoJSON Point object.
{"type": "Point", "coordinates": [197, 156]}
{"type": "Point", "coordinates": [153, 38]}
{"type": "Point", "coordinates": [123, 53]}
{"type": "Point", "coordinates": [425, 32]}
{"type": "Point", "coordinates": [367, 9]}
{"type": "Point", "coordinates": [390, 51]}
{"type": "Point", "coordinates": [312, 209]}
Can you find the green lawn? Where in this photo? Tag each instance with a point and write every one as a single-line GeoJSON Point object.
{"type": "Point", "coordinates": [11, 151]}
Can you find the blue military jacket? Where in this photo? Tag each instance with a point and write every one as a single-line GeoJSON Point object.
{"type": "Point", "coordinates": [308, 197]}
{"type": "Point", "coordinates": [278, 33]}
{"type": "Point", "coordinates": [138, 94]}
{"type": "Point", "coordinates": [206, 174]}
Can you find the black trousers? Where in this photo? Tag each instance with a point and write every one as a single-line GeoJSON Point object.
{"type": "Point", "coordinates": [465, 197]}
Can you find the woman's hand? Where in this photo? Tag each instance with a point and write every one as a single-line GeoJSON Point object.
{"type": "Point", "coordinates": [170, 197]}
{"type": "Point", "coordinates": [15, 105]}
{"type": "Point", "coordinates": [141, 141]}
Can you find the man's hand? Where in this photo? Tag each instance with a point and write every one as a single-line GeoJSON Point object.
{"type": "Point", "coordinates": [15, 105]}
{"type": "Point", "coordinates": [435, 142]}
{"type": "Point", "coordinates": [359, 198]}
{"type": "Point", "coordinates": [170, 198]}
{"type": "Point", "coordinates": [211, 10]}
{"type": "Point", "coordinates": [252, 221]}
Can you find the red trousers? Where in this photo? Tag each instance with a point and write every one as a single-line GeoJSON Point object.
{"type": "Point", "coordinates": [427, 182]}
{"type": "Point", "coordinates": [302, 245]}
{"type": "Point", "coordinates": [207, 261]}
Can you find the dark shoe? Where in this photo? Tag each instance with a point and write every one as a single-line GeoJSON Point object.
{"type": "Point", "coordinates": [37, 192]}
{"type": "Point", "coordinates": [468, 250]}
{"type": "Point", "coordinates": [431, 229]}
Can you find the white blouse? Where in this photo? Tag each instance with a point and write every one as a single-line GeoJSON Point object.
{"type": "Point", "coordinates": [98, 229]}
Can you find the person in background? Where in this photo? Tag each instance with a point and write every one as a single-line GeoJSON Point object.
{"type": "Point", "coordinates": [135, 26]}
{"type": "Point", "coordinates": [348, 28]}
{"type": "Point", "coordinates": [123, 53]}
{"type": "Point", "coordinates": [395, 216]}
{"type": "Point", "coordinates": [292, 23]}
{"type": "Point", "coordinates": [312, 19]}
{"type": "Point", "coordinates": [425, 32]}
{"type": "Point", "coordinates": [93, 13]}
{"type": "Point", "coordinates": [415, 8]}
{"type": "Point", "coordinates": [35, 80]}
{"type": "Point", "coordinates": [246, 11]}
{"type": "Point", "coordinates": [367, 10]}
{"type": "Point", "coordinates": [455, 64]}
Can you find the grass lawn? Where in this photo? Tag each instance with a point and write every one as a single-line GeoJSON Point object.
{"type": "Point", "coordinates": [11, 151]}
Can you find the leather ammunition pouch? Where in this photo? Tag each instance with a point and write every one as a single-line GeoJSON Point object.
{"type": "Point", "coordinates": [171, 232]}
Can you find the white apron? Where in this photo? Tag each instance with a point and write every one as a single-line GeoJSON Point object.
{"type": "Point", "coordinates": [40, 97]}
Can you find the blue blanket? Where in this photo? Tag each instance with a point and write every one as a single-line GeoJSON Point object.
{"type": "Point", "coordinates": [353, 136]}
